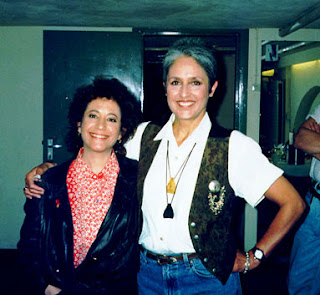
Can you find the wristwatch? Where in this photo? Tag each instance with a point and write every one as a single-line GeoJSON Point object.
{"type": "Point", "coordinates": [258, 254]}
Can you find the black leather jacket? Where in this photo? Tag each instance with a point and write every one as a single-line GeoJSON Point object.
{"type": "Point", "coordinates": [46, 243]}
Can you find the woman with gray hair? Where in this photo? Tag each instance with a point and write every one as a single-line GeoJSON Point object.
{"type": "Point", "coordinates": [190, 172]}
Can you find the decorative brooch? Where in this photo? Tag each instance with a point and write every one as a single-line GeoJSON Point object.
{"type": "Point", "coordinates": [58, 203]}
{"type": "Point", "coordinates": [216, 196]}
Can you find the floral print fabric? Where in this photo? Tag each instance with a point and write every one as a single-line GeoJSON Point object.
{"type": "Point", "coordinates": [90, 197]}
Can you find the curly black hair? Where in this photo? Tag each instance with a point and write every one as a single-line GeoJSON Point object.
{"type": "Point", "coordinates": [110, 88]}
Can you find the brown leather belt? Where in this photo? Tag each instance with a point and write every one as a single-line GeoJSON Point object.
{"type": "Point", "coordinates": [168, 259]}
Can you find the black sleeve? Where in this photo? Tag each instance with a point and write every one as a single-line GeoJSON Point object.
{"type": "Point", "coordinates": [29, 246]}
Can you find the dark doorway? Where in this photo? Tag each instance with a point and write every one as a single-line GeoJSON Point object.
{"type": "Point", "coordinates": [72, 59]}
{"type": "Point", "coordinates": [155, 104]}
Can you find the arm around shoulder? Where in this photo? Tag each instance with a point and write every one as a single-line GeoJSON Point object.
{"type": "Point", "coordinates": [31, 189]}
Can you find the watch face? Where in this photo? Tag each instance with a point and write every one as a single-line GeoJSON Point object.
{"type": "Point", "coordinates": [258, 254]}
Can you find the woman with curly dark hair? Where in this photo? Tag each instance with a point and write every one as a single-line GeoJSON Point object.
{"type": "Point", "coordinates": [81, 237]}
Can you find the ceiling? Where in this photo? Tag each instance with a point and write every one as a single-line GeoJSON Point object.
{"type": "Point", "coordinates": [160, 14]}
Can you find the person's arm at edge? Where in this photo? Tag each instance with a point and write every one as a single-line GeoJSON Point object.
{"type": "Point", "coordinates": [308, 138]}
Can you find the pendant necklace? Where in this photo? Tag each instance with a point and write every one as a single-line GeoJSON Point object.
{"type": "Point", "coordinates": [171, 185]}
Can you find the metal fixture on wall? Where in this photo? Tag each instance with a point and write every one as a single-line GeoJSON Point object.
{"type": "Point", "coordinates": [287, 48]}
{"type": "Point", "coordinates": [310, 16]}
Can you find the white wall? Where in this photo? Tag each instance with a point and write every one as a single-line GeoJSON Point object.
{"type": "Point", "coordinates": [302, 70]}
{"type": "Point", "coordinates": [303, 78]}
{"type": "Point", "coordinates": [20, 121]}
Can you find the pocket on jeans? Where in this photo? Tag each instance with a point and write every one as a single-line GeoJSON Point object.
{"type": "Point", "coordinates": [200, 270]}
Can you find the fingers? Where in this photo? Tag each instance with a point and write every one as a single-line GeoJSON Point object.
{"type": "Point", "coordinates": [316, 127]}
{"type": "Point", "coordinates": [31, 188]}
{"type": "Point", "coordinates": [29, 179]}
{"type": "Point", "coordinates": [240, 261]}
{"type": "Point", "coordinates": [313, 125]}
{"type": "Point", "coordinates": [33, 191]}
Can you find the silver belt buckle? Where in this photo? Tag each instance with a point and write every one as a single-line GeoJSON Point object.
{"type": "Point", "coordinates": [164, 259]}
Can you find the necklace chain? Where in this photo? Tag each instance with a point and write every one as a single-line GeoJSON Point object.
{"type": "Point", "coordinates": [171, 185]}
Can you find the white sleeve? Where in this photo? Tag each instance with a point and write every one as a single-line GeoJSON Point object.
{"type": "Point", "coordinates": [250, 172]}
{"type": "Point", "coordinates": [315, 114]}
{"type": "Point", "coordinates": [133, 145]}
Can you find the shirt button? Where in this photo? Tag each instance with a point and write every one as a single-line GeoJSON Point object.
{"type": "Point", "coordinates": [196, 237]}
{"type": "Point", "coordinates": [193, 224]}
{"type": "Point", "coordinates": [161, 238]}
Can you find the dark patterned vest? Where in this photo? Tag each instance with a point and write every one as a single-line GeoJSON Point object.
{"type": "Point", "coordinates": [210, 218]}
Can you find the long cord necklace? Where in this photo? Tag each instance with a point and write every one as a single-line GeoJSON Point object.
{"type": "Point", "coordinates": [171, 185]}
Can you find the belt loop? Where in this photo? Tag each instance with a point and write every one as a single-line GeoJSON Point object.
{"type": "Point", "coordinates": [317, 187]}
{"type": "Point", "coordinates": [143, 254]}
{"type": "Point", "coordinates": [186, 260]}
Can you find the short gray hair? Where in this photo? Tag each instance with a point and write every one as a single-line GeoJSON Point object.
{"type": "Point", "coordinates": [195, 48]}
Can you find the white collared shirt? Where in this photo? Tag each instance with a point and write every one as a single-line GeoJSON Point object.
{"type": "Point", "coordinates": [249, 171]}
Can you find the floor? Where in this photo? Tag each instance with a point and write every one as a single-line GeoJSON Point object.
{"type": "Point", "coordinates": [10, 275]}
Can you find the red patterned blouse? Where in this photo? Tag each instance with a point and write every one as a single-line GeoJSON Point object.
{"type": "Point", "coordinates": [90, 197]}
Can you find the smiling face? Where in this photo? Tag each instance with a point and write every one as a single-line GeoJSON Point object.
{"type": "Point", "coordinates": [100, 127]}
{"type": "Point", "coordinates": [188, 90]}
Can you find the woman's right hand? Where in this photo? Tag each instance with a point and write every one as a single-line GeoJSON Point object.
{"type": "Point", "coordinates": [31, 189]}
{"type": "Point", "coordinates": [51, 290]}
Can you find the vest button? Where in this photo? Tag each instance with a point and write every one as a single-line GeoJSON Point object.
{"type": "Point", "coordinates": [205, 259]}
{"type": "Point", "coordinates": [196, 237]}
{"type": "Point", "coordinates": [213, 270]}
{"type": "Point", "coordinates": [193, 224]}
{"type": "Point", "coordinates": [94, 258]}
{"type": "Point", "coordinates": [57, 270]}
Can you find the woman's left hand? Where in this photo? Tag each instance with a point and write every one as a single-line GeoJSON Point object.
{"type": "Point", "coordinates": [52, 290]}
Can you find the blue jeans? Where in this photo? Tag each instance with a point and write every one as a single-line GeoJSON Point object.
{"type": "Point", "coordinates": [188, 277]}
{"type": "Point", "coordinates": [304, 272]}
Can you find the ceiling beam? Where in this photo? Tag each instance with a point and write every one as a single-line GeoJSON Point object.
{"type": "Point", "coordinates": [309, 17]}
